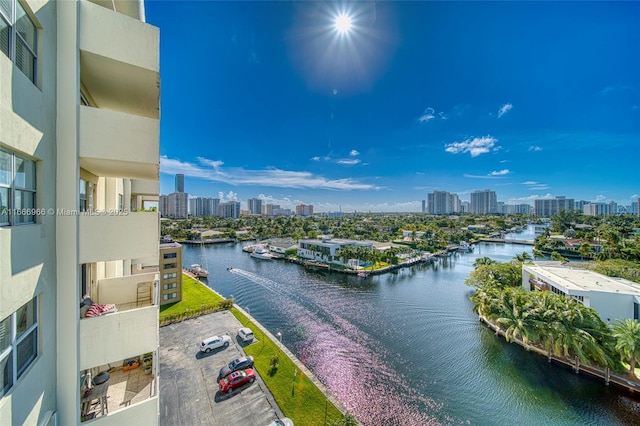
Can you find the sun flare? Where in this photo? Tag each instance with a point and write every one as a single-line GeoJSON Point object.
{"type": "Point", "coordinates": [343, 23]}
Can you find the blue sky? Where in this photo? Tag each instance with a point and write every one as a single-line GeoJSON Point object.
{"type": "Point", "coordinates": [270, 100]}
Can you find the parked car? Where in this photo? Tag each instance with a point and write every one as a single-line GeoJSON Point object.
{"type": "Point", "coordinates": [237, 379]}
{"type": "Point", "coordinates": [235, 365]}
{"type": "Point", "coordinates": [245, 334]}
{"type": "Point", "coordinates": [215, 342]}
{"type": "Point", "coordinates": [285, 421]}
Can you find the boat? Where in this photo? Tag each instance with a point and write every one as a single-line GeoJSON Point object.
{"type": "Point", "coordinates": [261, 253]}
{"type": "Point", "coordinates": [363, 274]}
{"type": "Point", "coordinates": [198, 271]}
{"type": "Point", "coordinates": [464, 246]}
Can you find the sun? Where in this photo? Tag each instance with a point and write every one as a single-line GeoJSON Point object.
{"type": "Point", "coordinates": [343, 23]}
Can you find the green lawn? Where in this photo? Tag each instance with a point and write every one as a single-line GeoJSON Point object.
{"type": "Point", "coordinates": [297, 396]}
{"type": "Point", "coordinates": [194, 296]}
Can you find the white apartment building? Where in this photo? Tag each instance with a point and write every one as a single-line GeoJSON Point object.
{"type": "Point", "coordinates": [79, 160]}
{"type": "Point", "coordinates": [612, 298]}
{"type": "Point", "coordinates": [484, 202]}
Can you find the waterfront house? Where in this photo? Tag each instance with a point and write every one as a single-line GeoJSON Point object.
{"type": "Point", "coordinates": [612, 298]}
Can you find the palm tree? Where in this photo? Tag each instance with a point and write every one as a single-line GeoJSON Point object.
{"type": "Point", "coordinates": [483, 261]}
{"type": "Point", "coordinates": [523, 257]}
{"type": "Point", "coordinates": [627, 335]}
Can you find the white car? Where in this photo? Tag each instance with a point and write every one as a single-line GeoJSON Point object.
{"type": "Point", "coordinates": [215, 342]}
{"type": "Point", "coordinates": [285, 421]}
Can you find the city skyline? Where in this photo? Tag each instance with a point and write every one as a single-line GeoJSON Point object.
{"type": "Point", "coordinates": [534, 100]}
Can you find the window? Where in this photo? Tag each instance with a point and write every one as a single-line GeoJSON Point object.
{"type": "Point", "coordinates": [86, 196]}
{"type": "Point", "coordinates": [18, 343]}
{"type": "Point", "coordinates": [169, 286]}
{"type": "Point", "coordinates": [169, 276]}
{"type": "Point", "coordinates": [18, 37]}
{"type": "Point", "coordinates": [170, 265]}
{"type": "Point", "coordinates": [170, 296]}
{"type": "Point", "coordinates": [170, 255]}
{"type": "Point", "coordinates": [17, 188]}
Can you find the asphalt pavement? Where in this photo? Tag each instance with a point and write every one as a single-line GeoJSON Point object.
{"type": "Point", "coordinates": [188, 386]}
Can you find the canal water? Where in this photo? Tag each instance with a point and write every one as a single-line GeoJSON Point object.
{"type": "Point", "coordinates": [405, 348]}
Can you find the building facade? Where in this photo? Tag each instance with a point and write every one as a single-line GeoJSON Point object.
{"type": "Point", "coordinates": [442, 202]}
{"type": "Point", "coordinates": [549, 207]}
{"type": "Point", "coordinates": [79, 160]}
{"type": "Point", "coordinates": [304, 210]}
{"type": "Point", "coordinates": [170, 271]}
{"type": "Point", "coordinates": [612, 298]}
{"type": "Point", "coordinates": [484, 202]}
{"type": "Point", "coordinates": [179, 183]}
{"type": "Point", "coordinates": [254, 205]}
{"type": "Point", "coordinates": [230, 209]}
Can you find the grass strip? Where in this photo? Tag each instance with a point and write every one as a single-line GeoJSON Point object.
{"type": "Point", "coordinates": [195, 297]}
{"type": "Point", "coordinates": [296, 395]}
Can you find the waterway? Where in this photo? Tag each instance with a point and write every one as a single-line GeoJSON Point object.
{"type": "Point", "coordinates": [405, 348]}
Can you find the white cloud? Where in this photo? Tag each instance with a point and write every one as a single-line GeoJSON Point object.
{"type": "Point", "coordinates": [535, 148]}
{"type": "Point", "coordinates": [431, 114]}
{"type": "Point", "coordinates": [212, 170]}
{"type": "Point", "coordinates": [231, 196]}
{"type": "Point", "coordinates": [475, 146]}
{"type": "Point", "coordinates": [537, 186]}
{"type": "Point", "coordinates": [354, 153]}
{"type": "Point", "coordinates": [500, 172]}
{"type": "Point", "coordinates": [504, 109]}
{"type": "Point", "coordinates": [607, 90]}
{"type": "Point", "coordinates": [427, 116]}
{"type": "Point", "coordinates": [601, 199]}
{"type": "Point", "coordinates": [348, 161]}
{"type": "Point", "coordinates": [316, 158]}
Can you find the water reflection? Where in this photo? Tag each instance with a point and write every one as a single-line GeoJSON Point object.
{"type": "Point", "coordinates": [404, 348]}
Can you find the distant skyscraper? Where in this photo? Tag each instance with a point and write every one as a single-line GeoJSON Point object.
{"type": "Point", "coordinates": [442, 202]}
{"type": "Point", "coordinates": [424, 206]}
{"type": "Point", "coordinates": [549, 207]}
{"type": "Point", "coordinates": [304, 210]}
{"type": "Point", "coordinates": [179, 183]}
{"type": "Point", "coordinates": [230, 209]}
{"type": "Point", "coordinates": [178, 203]}
{"type": "Point", "coordinates": [484, 202]}
{"type": "Point", "coordinates": [254, 205]}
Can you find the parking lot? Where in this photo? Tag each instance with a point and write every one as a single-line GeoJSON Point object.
{"type": "Point", "coordinates": [188, 387]}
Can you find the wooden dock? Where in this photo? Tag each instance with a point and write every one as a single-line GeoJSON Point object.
{"type": "Point", "coordinates": [506, 241]}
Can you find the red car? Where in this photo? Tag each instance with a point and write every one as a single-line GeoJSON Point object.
{"type": "Point", "coordinates": [237, 379]}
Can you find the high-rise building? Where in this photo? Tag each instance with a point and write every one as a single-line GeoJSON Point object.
{"type": "Point", "coordinates": [79, 153]}
{"type": "Point", "coordinates": [179, 183]}
{"type": "Point", "coordinates": [424, 206]}
{"type": "Point", "coordinates": [230, 209]}
{"type": "Point", "coordinates": [254, 205]}
{"type": "Point", "coordinates": [202, 207]}
{"type": "Point", "coordinates": [484, 202]}
{"type": "Point", "coordinates": [549, 206]}
{"type": "Point", "coordinates": [304, 210]}
{"type": "Point", "coordinates": [442, 202]}
{"type": "Point", "coordinates": [178, 205]}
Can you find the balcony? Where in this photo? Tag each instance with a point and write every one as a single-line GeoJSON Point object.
{"type": "Point", "coordinates": [119, 61]}
{"type": "Point", "coordinates": [130, 394]}
{"type": "Point", "coordinates": [104, 238]}
{"type": "Point", "coordinates": [117, 144]}
{"type": "Point", "coordinates": [145, 187]}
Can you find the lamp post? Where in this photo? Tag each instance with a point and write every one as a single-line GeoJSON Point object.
{"type": "Point", "coordinates": [280, 338]}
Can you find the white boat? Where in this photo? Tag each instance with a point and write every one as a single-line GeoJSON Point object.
{"type": "Point", "coordinates": [197, 270]}
{"type": "Point", "coordinates": [464, 246]}
{"type": "Point", "coordinates": [261, 253]}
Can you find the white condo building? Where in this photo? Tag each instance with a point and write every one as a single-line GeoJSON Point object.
{"type": "Point", "coordinates": [79, 160]}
